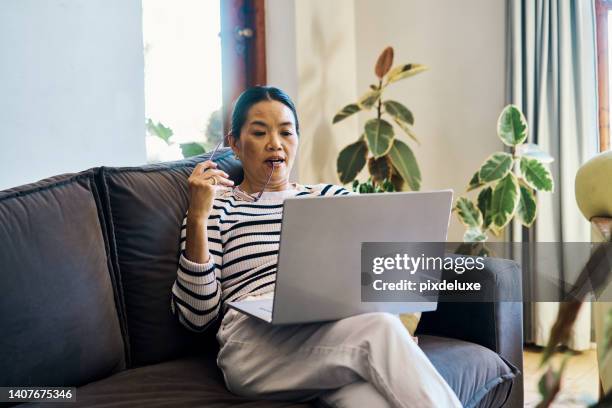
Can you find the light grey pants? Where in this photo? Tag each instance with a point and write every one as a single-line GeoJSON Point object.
{"type": "Point", "coordinates": [366, 360]}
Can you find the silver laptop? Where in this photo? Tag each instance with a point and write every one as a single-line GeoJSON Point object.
{"type": "Point", "coordinates": [319, 264]}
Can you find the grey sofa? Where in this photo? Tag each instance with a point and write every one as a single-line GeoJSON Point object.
{"type": "Point", "coordinates": [87, 261]}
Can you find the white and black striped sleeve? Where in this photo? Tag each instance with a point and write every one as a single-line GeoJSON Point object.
{"type": "Point", "coordinates": [196, 293]}
{"type": "Point", "coordinates": [332, 189]}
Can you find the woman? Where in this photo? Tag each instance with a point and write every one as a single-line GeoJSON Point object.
{"type": "Point", "coordinates": [229, 251]}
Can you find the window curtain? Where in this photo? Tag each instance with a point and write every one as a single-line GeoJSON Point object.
{"type": "Point", "coordinates": [552, 78]}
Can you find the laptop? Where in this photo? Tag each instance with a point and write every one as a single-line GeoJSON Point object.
{"type": "Point", "coordinates": [318, 277]}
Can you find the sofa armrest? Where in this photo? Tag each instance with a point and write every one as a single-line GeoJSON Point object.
{"type": "Point", "coordinates": [497, 325]}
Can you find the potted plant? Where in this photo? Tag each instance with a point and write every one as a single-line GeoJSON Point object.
{"type": "Point", "coordinates": [391, 162]}
{"type": "Point", "coordinates": [507, 182]}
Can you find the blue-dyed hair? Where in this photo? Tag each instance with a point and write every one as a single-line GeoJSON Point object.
{"type": "Point", "coordinates": [254, 95]}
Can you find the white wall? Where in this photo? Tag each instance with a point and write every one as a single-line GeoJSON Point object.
{"type": "Point", "coordinates": [325, 55]}
{"type": "Point", "coordinates": [311, 53]}
{"type": "Point", "coordinates": [456, 103]}
{"type": "Point", "coordinates": [281, 53]}
{"type": "Point", "coordinates": [71, 87]}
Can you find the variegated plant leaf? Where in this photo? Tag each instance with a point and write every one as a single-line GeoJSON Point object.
{"type": "Point", "coordinates": [404, 71]}
{"type": "Point", "coordinates": [368, 99]}
{"type": "Point", "coordinates": [536, 175]}
{"type": "Point", "coordinates": [402, 116]}
{"type": "Point", "coordinates": [347, 111]}
{"type": "Point", "coordinates": [399, 112]}
{"type": "Point", "coordinates": [495, 167]}
{"type": "Point", "coordinates": [405, 163]}
{"type": "Point", "coordinates": [351, 160]}
{"type": "Point", "coordinates": [485, 200]}
{"type": "Point", "coordinates": [468, 213]}
{"type": "Point", "coordinates": [379, 134]}
{"type": "Point", "coordinates": [512, 126]}
{"type": "Point", "coordinates": [527, 207]}
{"type": "Point", "coordinates": [474, 182]}
{"type": "Point", "coordinates": [504, 201]}
{"type": "Point", "coordinates": [474, 235]}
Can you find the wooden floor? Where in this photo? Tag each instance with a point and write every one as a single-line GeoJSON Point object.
{"type": "Point", "coordinates": [580, 386]}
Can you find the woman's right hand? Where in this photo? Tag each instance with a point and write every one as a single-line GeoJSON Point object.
{"type": "Point", "coordinates": [202, 189]}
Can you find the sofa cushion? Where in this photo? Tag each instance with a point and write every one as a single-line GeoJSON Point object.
{"type": "Point", "coordinates": [479, 376]}
{"type": "Point", "coordinates": [185, 382]}
{"type": "Point", "coordinates": [57, 310]}
{"type": "Point", "coordinates": [145, 207]}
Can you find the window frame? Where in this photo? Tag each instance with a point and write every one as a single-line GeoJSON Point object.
{"type": "Point", "coordinates": [243, 58]}
{"type": "Point", "coordinates": [602, 7]}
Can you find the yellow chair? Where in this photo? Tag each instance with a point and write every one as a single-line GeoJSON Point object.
{"type": "Point", "coordinates": [594, 196]}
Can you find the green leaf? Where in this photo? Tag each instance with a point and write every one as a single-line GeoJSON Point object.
{"type": "Point", "coordinates": [368, 99]}
{"type": "Point", "coordinates": [527, 207]}
{"type": "Point", "coordinates": [405, 163]}
{"type": "Point", "coordinates": [484, 200]}
{"type": "Point", "coordinates": [402, 116]}
{"type": "Point", "coordinates": [474, 235]}
{"type": "Point", "coordinates": [351, 160]}
{"type": "Point", "coordinates": [495, 167]}
{"type": "Point", "coordinates": [512, 126]}
{"type": "Point", "coordinates": [468, 213]}
{"type": "Point", "coordinates": [367, 187]}
{"type": "Point", "coordinates": [399, 112]}
{"type": "Point", "coordinates": [536, 175]}
{"type": "Point", "coordinates": [408, 131]}
{"type": "Point", "coordinates": [474, 182]}
{"type": "Point", "coordinates": [192, 149]}
{"type": "Point", "coordinates": [404, 71]}
{"type": "Point", "coordinates": [347, 111]}
{"type": "Point", "coordinates": [388, 186]}
{"type": "Point", "coordinates": [159, 130]}
{"type": "Point", "coordinates": [379, 134]}
{"type": "Point", "coordinates": [504, 201]}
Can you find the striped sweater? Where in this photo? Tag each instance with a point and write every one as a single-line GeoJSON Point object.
{"type": "Point", "coordinates": [243, 241]}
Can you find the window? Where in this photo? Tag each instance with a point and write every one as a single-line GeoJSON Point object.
{"type": "Point", "coordinates": [183, 95]}
{"type": "Point", "coordinates": [199, 56]}
{"type": "Point", "coordinates": [604, 41]}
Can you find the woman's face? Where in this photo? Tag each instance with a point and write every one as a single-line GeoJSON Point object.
{"type": "Point", "coordinates": [268, 135]}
